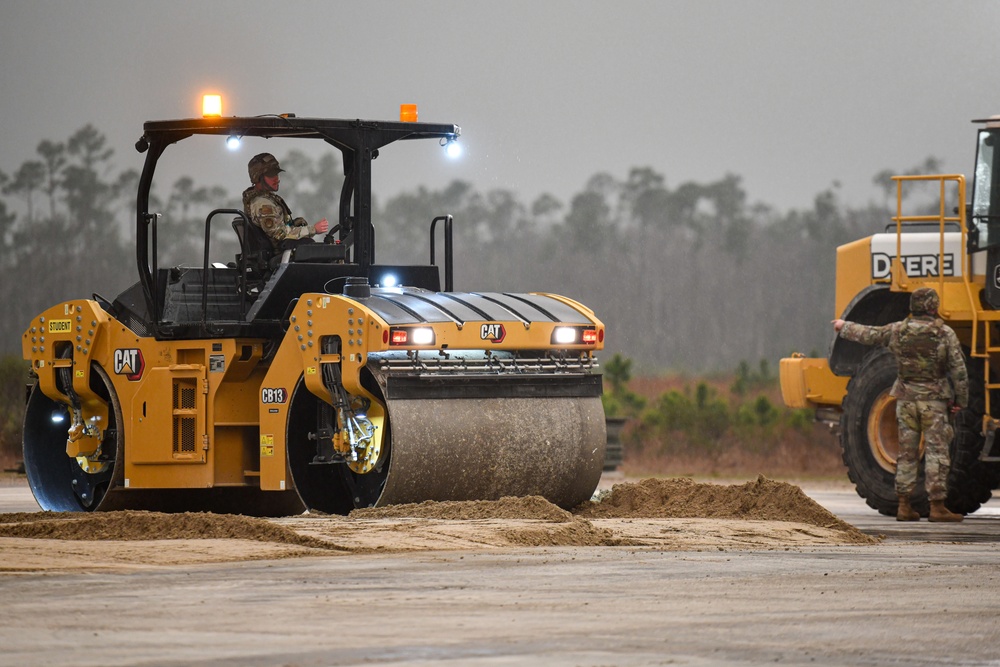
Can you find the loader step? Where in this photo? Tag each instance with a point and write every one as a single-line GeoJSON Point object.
{"type": "Point", "coordinates": [986, 454]}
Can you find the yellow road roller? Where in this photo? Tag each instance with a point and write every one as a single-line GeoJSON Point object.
{"type": "Point", "coordinates": [308, 376]}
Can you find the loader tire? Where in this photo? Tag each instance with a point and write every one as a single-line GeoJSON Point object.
{"type": "Point", "coordinates": [869, 436]}
{"type": "Point", "coordinates": [970, 481]}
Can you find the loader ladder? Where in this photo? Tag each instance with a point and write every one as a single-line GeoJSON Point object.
{"type": "Point", "coordinates": [959, 294]}
{"type": "Point", "coordinates": [989, 348]}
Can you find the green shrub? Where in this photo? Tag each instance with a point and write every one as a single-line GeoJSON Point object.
{"type": "Point", "coordinates": [619, 401]}
{"type": "Point", "coordinates": [765, 411]}
{"type": "Point", "coordinates": [801, 419]}
{"type": "Point", "coordinates": [13, 376]}
{"type": "Point", "coordinates": [747, 380]}
{"type": "Point", "coordinates": [700, 419]}
{"type": "Point", "coordinates": [618, 371]}
{"type": "Point", "coordinates": [703, 419]}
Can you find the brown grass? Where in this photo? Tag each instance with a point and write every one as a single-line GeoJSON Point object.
{"type": "Point", "coordinates": [811, 454]}
{"type": "Point", "coordinates": [794, 458]}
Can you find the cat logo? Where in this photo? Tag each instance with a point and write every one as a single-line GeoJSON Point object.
{"type": "Point", "coordinates": [129, 362]}
{"type": "Point", "coordinates": [495, 333]}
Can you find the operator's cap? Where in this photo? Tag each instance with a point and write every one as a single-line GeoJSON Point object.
{"type": "Point", "coordinates": [263, 164]}
{"type": "Point", "coordinates": [924, 301]}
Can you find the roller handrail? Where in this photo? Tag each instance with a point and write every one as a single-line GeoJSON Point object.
{"type": "Point", "coordinates": [204, 271]}
{"type": "Point", "coordinates": [448, 282]}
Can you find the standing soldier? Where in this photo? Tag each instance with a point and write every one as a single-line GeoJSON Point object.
{"type": "Point", "coordinates": [928, 355]}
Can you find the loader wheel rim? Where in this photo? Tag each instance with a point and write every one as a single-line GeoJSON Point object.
{"type": "Point", "coordinates": [883, 432]}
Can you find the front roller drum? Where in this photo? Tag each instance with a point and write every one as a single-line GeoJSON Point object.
{"type": "Point", "coordinates": [459, 449]}
{"type": "Point", "coordinates": [488, 448]}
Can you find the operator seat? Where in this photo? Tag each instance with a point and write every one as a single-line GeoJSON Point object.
{"type": "Point", "coordinates": [257, 256]}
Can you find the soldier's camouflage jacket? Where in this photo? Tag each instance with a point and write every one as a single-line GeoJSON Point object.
{"type": "Point", "coordinates": [931, 366]}
{"type": "Point", "coordinates": [269, 211]}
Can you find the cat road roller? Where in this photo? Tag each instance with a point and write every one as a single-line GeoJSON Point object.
{"type": "Point", "coordinates": [308, 377]}
{"type": "Point", "coordinates": [952, 245]}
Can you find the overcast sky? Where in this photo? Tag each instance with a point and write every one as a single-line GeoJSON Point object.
{"type": "Point", "coordinates": [792, 95]}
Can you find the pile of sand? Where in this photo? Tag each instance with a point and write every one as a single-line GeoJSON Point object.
{"type": "Point", "coordinates": [132, 525]}
{"type": "Point", "coordinates": [682, 498]}
{"type": "Point", "coordinates": [679, 498]}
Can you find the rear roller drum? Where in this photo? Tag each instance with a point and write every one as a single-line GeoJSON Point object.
{"type": "Point", "coordinates": [61, 483]}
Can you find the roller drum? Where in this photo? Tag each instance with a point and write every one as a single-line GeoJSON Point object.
{"type": "Point", "coordinates": [488, 448]}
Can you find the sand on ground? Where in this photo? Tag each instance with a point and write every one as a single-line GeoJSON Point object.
{"type": "Point", "coordinates": [666, 514]}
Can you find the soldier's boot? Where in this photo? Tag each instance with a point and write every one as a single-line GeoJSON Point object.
{"type": "Point", "coordinates": [906, 511]}
{"type": "Point", "coordinates": [940, 513]}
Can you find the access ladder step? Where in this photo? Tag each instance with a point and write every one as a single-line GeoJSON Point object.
{"type": "Point", "coordinates": [985, 455]}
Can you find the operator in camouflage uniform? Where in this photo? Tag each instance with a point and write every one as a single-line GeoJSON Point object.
{"type": "Point", "coordinates": [269, 211]}
{"type": "Point", "coordinates": [932, 377]}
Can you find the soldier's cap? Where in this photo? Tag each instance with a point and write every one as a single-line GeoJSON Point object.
{"type": "Point", "coordinates": [924, 301]}
{"type": "Point", "coordinates": [263, 164]}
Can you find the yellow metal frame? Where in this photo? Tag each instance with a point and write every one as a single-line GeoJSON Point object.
{"type": "Point", "coordinates": [809, 382]}
{"type": "Point", "coordinates": [238, 435]}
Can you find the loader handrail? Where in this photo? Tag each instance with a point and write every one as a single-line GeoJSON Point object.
{"type": "Point", "coordinates": [943, 220]}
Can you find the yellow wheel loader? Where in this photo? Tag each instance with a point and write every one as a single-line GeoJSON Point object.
{"type": "Point", "coordinates": [310, 378]}
{"type": "Point", "coordinates": [954, 247]}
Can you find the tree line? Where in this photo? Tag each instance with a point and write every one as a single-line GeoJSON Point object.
{"type": "Point", "coordinates": [688, 277]}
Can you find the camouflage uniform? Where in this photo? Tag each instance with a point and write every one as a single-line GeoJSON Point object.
{"type": "Point", "coordinates": [929, 355]}
{"type": "Point", "coordinates": [267, 209]}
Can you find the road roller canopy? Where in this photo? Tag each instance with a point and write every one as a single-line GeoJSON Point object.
{"type": "Point", "coordinates": [358, 141]}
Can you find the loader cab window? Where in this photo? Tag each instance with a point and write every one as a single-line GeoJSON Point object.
{"type": "Point", "coordinates": [986, 191]}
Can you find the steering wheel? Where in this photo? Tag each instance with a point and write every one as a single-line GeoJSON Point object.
{"type": "Point", "coordinates": [348, 240]}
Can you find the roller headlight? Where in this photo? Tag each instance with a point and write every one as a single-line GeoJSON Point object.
{"type": "Point", "coordinates": [411, 336]}
{"type": "Point", "coordinates": [576, 336]}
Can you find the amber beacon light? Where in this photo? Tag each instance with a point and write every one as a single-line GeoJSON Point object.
{"type": "Point", "coordinates": [408, 113]}
{"type": "Point", "coordinates": [211, 106]}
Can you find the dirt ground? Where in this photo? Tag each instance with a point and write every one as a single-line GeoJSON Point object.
{"type": "Point", "coordinates": [657, 572]}
{"type": "Point", "coordinates": [672, 514]}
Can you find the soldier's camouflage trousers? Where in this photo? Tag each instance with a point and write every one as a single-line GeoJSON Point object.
{"type": "Point", "coordinates": [931, 419]}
